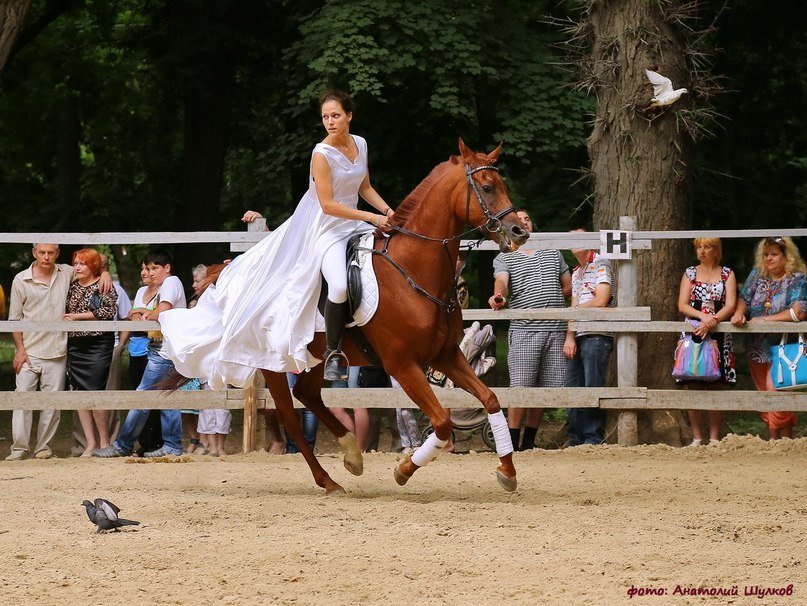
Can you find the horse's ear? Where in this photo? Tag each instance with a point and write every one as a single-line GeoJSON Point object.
{"type": "Point", "coordinates": [465, 153]}
{"type": "Point", "coordinates": [494, 155]}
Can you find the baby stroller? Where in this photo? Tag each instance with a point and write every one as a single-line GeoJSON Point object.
{"type": "Point", "coordinates": [466, 421]}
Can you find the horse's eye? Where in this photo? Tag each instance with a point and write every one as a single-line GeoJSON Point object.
{"type": "Point", "coordinates": [487, 188]}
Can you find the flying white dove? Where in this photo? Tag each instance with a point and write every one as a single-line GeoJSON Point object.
{"type": "Point", "coordinates": [663, 93]}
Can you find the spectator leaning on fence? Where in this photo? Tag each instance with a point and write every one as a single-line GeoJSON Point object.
{"type": "Point", "coordinates": [775, 291]}
{"type": "Point", "coordinates": [533, 279]}
{"type": "Point", "coordinates": [708, 295]}
{"type": "Point", "coordinates": [114, 381]}
{"type": "Point", "coordinates": [89, 353]}
{"type": "Point", "coordinates": [39, 294]}
{"type": "Point", "coordinates": [190, 417]}
{"type": "Point", "coordinates": [170, 295]}
{"type": "Point", "coordinates": [588, 353]}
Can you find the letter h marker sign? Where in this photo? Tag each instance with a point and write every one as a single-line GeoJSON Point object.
{"type": "Point", "coordinates": [615, 244]}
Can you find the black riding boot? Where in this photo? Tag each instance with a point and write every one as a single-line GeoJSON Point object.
{"type": "Point", "coordinates": [335, 320]}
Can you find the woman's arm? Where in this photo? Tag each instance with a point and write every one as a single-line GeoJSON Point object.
{"type": "Point", "coordinates": [109, 307]}
{"type": "Point", "coordinates": [322, 180]}
{"type": "Point", "coordinates": [373, 198]}
{"type": "Point", "coordinates": [738, 319]}
{"type": "Point", "coordinates": [731, 299]}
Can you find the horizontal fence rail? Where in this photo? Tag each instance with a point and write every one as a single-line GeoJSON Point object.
{"type": "Point", "coordinates": [610, 398]}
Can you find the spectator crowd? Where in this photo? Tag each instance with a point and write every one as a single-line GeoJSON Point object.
{"type": "Point", "coordinates": [541, 353]}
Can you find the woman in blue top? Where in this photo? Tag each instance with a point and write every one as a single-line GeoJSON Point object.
{"type": "Point", "coordinates": [775, 291]}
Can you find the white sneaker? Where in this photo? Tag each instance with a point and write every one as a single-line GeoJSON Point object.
{"type": "Point", "coordinates": [695, 442]}
{"type": "Point", "coordinates": [16, 455]}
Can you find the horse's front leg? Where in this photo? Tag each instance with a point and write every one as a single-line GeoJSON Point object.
{"type": "Point", "coordinates": [453, 364]}
{"type": "Point", "coordinates": [414, 383]}
{"type": "Point", "coordinates": [279, 388]}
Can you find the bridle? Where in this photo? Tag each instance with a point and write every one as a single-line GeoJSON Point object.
{"type": "Point", "coordinates": [492, 224]}
{"type": "Point", "coordinates": [492, 220]}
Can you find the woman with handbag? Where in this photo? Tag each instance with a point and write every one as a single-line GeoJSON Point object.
{"type": "Point", "coordinates": [772, 293]}
{"type": "Point", "coordinates": [89, 353]}
{"type": "Point", "coordinates": [708, 295]}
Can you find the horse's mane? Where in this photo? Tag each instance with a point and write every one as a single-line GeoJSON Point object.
{"type": "Point", "coordinates": [413, 200]}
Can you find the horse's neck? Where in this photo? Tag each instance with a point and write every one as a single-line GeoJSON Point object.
{"type": "Point", "coordinates": [434, 218]}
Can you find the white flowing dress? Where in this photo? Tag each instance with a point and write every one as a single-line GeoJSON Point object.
{"type": "Point", "coordinates": [262, 311]}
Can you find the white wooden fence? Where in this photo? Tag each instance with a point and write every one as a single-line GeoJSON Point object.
{"type": "Point", "coordinates": [626, 321]}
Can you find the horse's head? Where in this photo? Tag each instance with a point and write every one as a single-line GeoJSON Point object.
{"type": "Point", "coordinates": [487, 203]}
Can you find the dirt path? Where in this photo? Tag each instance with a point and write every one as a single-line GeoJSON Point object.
{"type": "Point", "coordinates": [585, 526]}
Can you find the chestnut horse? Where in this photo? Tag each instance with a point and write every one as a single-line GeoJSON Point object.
{"type": "Point", "coordinates": [418, 321]}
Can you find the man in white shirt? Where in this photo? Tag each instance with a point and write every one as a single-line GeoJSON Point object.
{"type": "Point", "coordinates": [588, 353]}
{"type": "Point", "coordinates": [159, 366]}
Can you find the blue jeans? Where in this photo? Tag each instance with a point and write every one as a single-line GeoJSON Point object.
{"type": "Point", "coordinates": [588, 369]}
{"type": "Point", "coordinates": [157, 369]}
{"type": "Point", "coordinates": [309, 421]}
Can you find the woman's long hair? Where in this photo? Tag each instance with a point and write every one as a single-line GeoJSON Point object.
{"type": "Point", "coordinates": [793, 261]}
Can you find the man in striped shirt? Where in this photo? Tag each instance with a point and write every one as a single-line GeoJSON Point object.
{"type": "Point", "coordinates": [532, 279]}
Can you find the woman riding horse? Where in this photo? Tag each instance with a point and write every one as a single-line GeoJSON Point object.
{"type": "Point", "coordinates": [276, 284]}
{"type": "Point", "coordinates": [261, 311]}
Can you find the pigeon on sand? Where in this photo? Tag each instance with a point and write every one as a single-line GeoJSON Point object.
{"type": "Point", "coordinates": [104, 514]}
{"type": "Point", "coordinates": [663, 92]}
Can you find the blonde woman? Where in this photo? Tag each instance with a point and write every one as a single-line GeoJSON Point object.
{"type": "Point", "coordinates": [708, 294]}
{"type": "Point", "coordinates": [775, 291]}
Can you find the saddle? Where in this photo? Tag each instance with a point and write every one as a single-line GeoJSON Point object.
{"type": "Point", "coordinates": [354, 284]}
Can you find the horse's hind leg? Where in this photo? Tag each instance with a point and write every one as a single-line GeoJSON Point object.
{"type": "Point", "coordinates": [308, 390]}
{"type": "Point", "coordinates": [414, 383]}
{"type": "Point", "coordinates": [454, 365]}
{"type": "Point", "coordinates": [279, 388]}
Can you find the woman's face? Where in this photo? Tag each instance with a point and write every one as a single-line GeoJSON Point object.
{"type": "Point", "coordinates": [706, 253]}
{"type": "Point", "coordinates": [144, 275]}
{"type": "Point", "coordinates": [335, 120]}
{"type": "Point", "coordinates": [198, 279]}
{"type": "Point", "coordinates": [774, 260]}
{"type": "Point", "coordinates": [83, 271]}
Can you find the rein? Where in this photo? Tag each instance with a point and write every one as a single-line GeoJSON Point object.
{"type": "Point", "coordinates": [493, 224]}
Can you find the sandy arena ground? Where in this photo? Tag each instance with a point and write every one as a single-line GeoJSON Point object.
{"type": "Point", "coordinates": [585, 526]}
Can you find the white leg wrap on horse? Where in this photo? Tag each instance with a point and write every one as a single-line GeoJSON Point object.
{"type": "Point", "coordinates": [501, 434]}
{"type": "Point", "coordinates": [429, 451]}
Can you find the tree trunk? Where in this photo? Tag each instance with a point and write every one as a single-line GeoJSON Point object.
{"type": "Point", "coordinates": [12, 19]}
{"type": "Point", "coordinates": [207, 128]}
{"type": "Point", "coordinates": [67, 165]}
{"type": "Point", "coordinates": [640, 164]}
{"type": "Point", "coordinates": [204, 69]}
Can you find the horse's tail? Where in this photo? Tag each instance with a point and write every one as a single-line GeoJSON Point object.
{"type": "Point", "coordinates": [171, 382]}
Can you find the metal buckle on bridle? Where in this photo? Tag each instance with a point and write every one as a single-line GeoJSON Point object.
{"type": "Point", "coordinates": [491, 222]}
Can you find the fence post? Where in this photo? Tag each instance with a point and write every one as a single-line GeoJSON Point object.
{"type": "Point", "coordinates": [250, 414]}
{"type": "Point", "coordinates": [627, 344]}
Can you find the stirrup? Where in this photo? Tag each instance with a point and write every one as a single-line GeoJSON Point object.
{"type": "Point", "coordinates": [332, 364]}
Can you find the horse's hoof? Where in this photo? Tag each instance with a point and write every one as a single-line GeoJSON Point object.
{"type": "Point", "coordinates": [353, 459]}
{"type": "Point", "coordinates": [336, 492]}
{"type": "Point", "coordinates": [508, 483]}
{"type": "Point", "coordinates": [400, 477]}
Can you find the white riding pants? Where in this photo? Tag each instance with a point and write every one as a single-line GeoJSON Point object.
{"type": "Point", "coordinates": [334, 272]}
